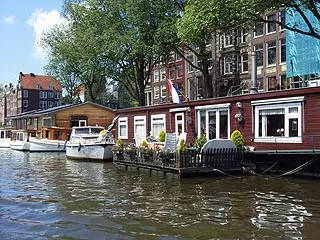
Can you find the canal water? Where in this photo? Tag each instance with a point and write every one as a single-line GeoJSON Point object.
{"type": "Point", "coordinates": [46, 196]}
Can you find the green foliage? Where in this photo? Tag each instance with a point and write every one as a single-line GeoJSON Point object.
{"type": "Point", "coordinates": [237, 138]}
{"type": "Point", "coordinates": [200, 141]}
{"type": "Point", "coordinates": [162, 136]}
{"type": "Point", "coordinates": [181, 148]}
{"type": "Point", "coordinates": [118, 146]}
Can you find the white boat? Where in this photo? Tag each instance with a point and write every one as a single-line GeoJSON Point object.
{"type": "Point", "coordinates": [20, 141]}
{"type": "Point", "coordinates": [5, 138]}
{"type": "Point", "coordinates": [51, 139]}
{"type": "Point", "coordinates": [89, 142]}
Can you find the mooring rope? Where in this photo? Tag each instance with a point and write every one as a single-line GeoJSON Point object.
{"type": "Point", "coordinates": [300, 167]}
{"type": "Point", "coordinates": [222, 172]}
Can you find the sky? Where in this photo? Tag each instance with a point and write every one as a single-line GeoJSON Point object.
{"type": "Point", "coordinates": [22, 23]}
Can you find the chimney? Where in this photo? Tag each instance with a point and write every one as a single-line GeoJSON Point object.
{"type": "Point", "coordinates": [32, 75]}
{"type": "Point", "coordinates": [21, 73]}
{"type": "Point", "coordinates": [253, 88]}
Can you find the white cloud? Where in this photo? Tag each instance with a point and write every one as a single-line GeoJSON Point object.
{"type": "Point", "coordinates": [10, 19]}
{"type": "Point", "coordinates": [41, 22]}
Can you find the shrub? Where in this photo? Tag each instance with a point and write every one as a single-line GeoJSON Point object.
{"type": "Point", "coordinates": [181, 147]}
{"type": "Point", "coordinates": [162, 136]}
{"type": "Point", "coordinates": [200, 141]}
{"type": "Point", "coordinates": [237, 138]}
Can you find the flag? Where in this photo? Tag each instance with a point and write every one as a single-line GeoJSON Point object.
{"type": "Point", "coordinates": [174, 92]}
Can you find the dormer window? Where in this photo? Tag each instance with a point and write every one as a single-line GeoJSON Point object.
{"type": "Point", "coordinates": [38, 86]}
{"type": "Point", "coordinates": [50, 87]}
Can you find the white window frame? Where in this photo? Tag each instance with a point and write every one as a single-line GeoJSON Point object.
{"type": "Point", "coordinates": [213, 108]}
{"type": "Point", "coordinates": [123, 121]}
{"type": "Point", "coordinates": [158, 119]}
{"type": "Point", "coordinates": [177, 122]}
{"type": "Point", "coordinates": [141, 121]}
{"type": "Point", "coordinates": [228, 39]}
{"type": "Point", "coordinates": [255, 32]}
{"type": "Point", "coordinates": [285, 103]}
{"type": "Point", "coordinates": [259, 50]}
{"type": "Point", "coordinates": [25, 103]}
{"type": "Point", "coordinates": [156, 90]}
{"type": "Point", "coordinates": [163, 74]}
{"type": "Point", "coordinates": [280, 50]}
{"type": "Point", "coordinates": [82, 123]}
{"type": "Point", "coordinates": [190, 67]}
{"type": "Point", "coordinates": [43, 94]}
{"type": "Point", "coordinates": [25, 93]}
{"type": "Point", "coordinates": [163, 91]}
{"type": "Point", "coordinates": [156, 77]}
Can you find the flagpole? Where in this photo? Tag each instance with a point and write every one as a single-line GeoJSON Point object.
{"type": "Point", "coordinates": [185, 97]}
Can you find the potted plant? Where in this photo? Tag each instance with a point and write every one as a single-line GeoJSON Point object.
{"type": "Point", "coordinates": [117, 150]}
{"type": "Point", "coordinates": [130, 153]}
{"type": "Point", "coordinates": [166, 156]}
{"type": "Point", "coordinates": [146, 152]}
{"type": "Point", "coordinates": [162, 136]}
{"type": "Point", "coordinates": [237, 138]}
{"type": "Point", "coordinates": [200, 141]}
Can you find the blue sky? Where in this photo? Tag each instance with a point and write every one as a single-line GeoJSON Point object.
{"type": "Point", "coordinates": [22, 23]}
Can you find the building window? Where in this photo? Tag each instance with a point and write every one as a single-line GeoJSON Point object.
{"type": "Point", "coordinates": [171, 57]}
{"type": "Point", "coordinates": [157, 124]}
{"type": "Point", "coordinates": [273, 83]}
{"type": "Point", "coordinates": [244, 63]}
{"type": "Point", "coordinates": [47, 122]}
{"type": "Point", "coordinates": [282, 19]}
{"type": "Point", "coordinates": [156, 92]}
{"type": "Point", "coordinates": [190, 60]}
{"type": "Point", "coordinates": [285, 83]}
{"type": "Point", "coordinates": [163, 74]}
{"type": "Point", "coordinates": [25, 93]}
{"type": "Point", "coordinates": [123, 127]}
{"type": "Point", "coordinates": [179, 69]}
{"type": "Point", "coordinates": [260, 85]}
{"type": "Point", "coordinates": [148, 96]}
{"type": "Point", "coordinates": [272, 52]}
{"type": "Point", "coordinates": [243, 36]}
{"type": "Point", "coordinates": [50, 94]}
{"type": "Point", "coordinates": [178, 56]}
{"type": "Point", "coordinates": [172, 73]}
{"type": "Point", "coordinates": [43, 94]}
{"type": "Point", "coordinates": [140, 126]}
{"type": "Point", "coordinates": [156, 76]}
{"type": "Point", "coordinates": [163, 91]}
{"type": "Point", "coordinates": [271, 25]}
{"type": "Point", "coordinates": [25, 103]}
{"type": "Point", "coordinates": [50, 87]}
{"type": "Point", "coordinates": [43, 104]}
{"type": "Point", "coordinates": [227, 67]}
{"type": "Point", "coordinates": [50, 104]}
{"type": "Point", "coordinates": [228, 39]}
{"type": "Point", "coordinates": [259, 54]}
{"type": "Point", "coordinates": [258, 29]}
{"type": "Point", "coordinates": [278, 120]}
{"type": "Point", "coordinates": [283, 51]}
{"type": "Point", "coordinates": [214, 122]}
{"type": "Point", "coordinates": [57, 95]}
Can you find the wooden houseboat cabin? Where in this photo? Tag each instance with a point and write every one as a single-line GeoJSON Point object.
{"type": "Point", "coordinates": [286, 121]}
{"type": "Point", "coordinates": [56, 123]}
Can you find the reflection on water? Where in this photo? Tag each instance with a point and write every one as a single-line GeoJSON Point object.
{"type": "Point", "coordinates": [46, 196]}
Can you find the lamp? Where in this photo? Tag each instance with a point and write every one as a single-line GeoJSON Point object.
{"type": "Point", "coordinates": [239, 105]}
{"type": "Point", "coordinates": [239, 116]}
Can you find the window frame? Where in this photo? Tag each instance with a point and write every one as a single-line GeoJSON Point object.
{"type": "Point", "coordinates": [177, 122]}
{"type": "Point", "coordinates": [139, 120]}
{"type": "Point", "coordinates": [155, 119]}
{"type": "Point", "coordinates": [123, 121]}
{"type": "Point", "coordinates": [274, 50]}
{"type": "Point", "coordinates": [244, 62]}
{"type": "Point", "coordinates": [284, 103]}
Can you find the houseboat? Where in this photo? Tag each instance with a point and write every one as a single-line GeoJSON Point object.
{"type": "Point", "coordinates": [89, 142]}
{"type": "Point", "coordinates": [283, 123]}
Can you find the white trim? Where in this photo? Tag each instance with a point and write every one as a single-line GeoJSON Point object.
{"type": "Point", "coordinates": [137, 121]}
{"type": "Point", "coordinates": [154, 120]}
{"type": "Point", "coordinates": [183, 109]}
{"type": "Point", "coordinates": [123, 121]}
{"type": "Point", "coordinates": [279, 100]}
{"type": "Point", "coordinates": [278, 139]}
{"type": "Point", "coordinates": [177, 122]}
{"type": "Point", "coordinates": [224, 105]}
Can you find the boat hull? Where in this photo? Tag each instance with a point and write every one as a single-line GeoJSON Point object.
{"type": "Point", "coordinates": [43, 145]}
{"type": "Point", "coordinates": [20, 145]}
{"type": "Point", "coordinates": [5, 142]}
{"type": "Point", "coordinates": [95, 151]}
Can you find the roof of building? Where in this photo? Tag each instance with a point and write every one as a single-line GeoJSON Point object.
{"type": "Point", "coordinates": [55, 109]}
{"type": "Point", "coordinates": [44, 82]}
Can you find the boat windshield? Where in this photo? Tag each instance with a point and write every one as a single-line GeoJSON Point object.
{"type": "Point", "coordinates": [88, 130]}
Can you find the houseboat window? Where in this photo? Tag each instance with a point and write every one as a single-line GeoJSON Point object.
{"type": "Point", "coordinates": [157, 124]}
{"type": "Point", "coordinates": [214, 123]}
{"type": "Point", "coordinates": [280, 121]}
{"type": "Point", "coordinates": [82, 123]}
{"type": "Point", "coordinates": [140, 125]}
{"type": "Point", "coordinates": [81, 131]}
{"type": "Point", "coordinates": [47, 122]}
{"type": "Point", "coordinates": [123, 127]}
{"type": "Point", "coordinates": [179, 123]}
